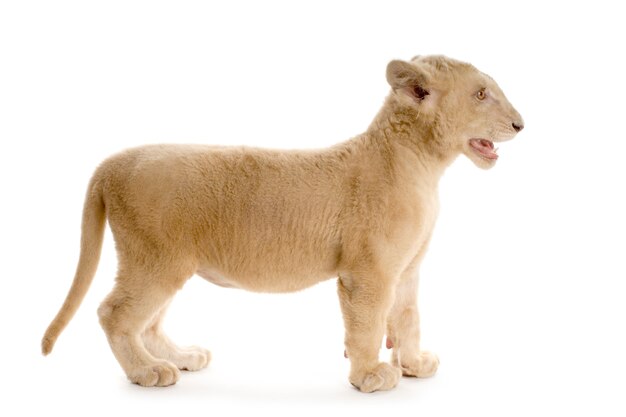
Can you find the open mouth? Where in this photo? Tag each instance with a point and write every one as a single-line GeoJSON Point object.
{"type": "Point", "coordinates": [484, 148]}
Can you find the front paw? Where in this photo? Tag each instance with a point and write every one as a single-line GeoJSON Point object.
{"type": "Point", "coordinates": [422, 365]}
{"type": "Point", "coordinates": [191, 358]}
{"type": "Point", "coordinates": [382, 377]}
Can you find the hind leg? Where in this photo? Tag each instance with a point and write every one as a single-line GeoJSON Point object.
{"type": "Point", "coordinates": [137, 298]}
{"type": "Point", "coordinates": [159, 345]}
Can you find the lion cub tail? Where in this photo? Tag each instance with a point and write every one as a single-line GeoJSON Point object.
{"type": "Point", "coordinates": [90, 248]}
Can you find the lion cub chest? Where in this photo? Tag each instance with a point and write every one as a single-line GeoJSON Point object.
{"type": "Point", "coordinates": [412, 222]}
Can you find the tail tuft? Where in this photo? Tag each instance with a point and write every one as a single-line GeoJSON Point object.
{"type": "Point", "coordinates": [47, 343]}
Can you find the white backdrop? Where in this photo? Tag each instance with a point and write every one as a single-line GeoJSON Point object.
{"type": "Point", "coordinates": [522, 290]}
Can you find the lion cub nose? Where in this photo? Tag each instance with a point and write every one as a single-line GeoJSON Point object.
{"type": "Point", "coordinates": [518, 126]}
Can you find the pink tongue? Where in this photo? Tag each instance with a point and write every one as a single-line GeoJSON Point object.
{"type": "Point", "coordinates": [484, 147]}
{"type": "Point", "coordinates": [389, 343]}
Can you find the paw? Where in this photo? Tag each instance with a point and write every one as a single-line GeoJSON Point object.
{"type": "Point", "coordinates": [192, 358]}
{"type": "Point", "coordinates": [383, 377]}
{"type": "Point", "coordinates": [423, 365]}
{"type": "Point", "coordinates": [160, 374]}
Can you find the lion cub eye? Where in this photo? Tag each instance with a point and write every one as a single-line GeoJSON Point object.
{"type": "Point", "coordinates": [481, 94]}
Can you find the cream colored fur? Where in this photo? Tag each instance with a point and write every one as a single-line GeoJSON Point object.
{"type": "Point", "coordinates": [280, 221]}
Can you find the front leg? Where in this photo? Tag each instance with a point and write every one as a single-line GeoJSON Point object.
{"type": "Point", "coordinates": [403, 329]}
{"type": "Point", "coordinates": [365, 302]}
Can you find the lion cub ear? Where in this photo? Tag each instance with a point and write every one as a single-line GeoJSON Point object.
{"type": "Point", "coordinates": [408, 78]}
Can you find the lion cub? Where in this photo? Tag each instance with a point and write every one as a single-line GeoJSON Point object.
{"type": "Point", "coordinates": [279, 221]}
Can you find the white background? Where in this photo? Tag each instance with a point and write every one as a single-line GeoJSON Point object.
{"type": "Point", "coordinates": [522, 290]}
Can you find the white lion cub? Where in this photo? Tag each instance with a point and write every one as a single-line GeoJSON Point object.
{"type": "Point", "coordinates": [278, 221]}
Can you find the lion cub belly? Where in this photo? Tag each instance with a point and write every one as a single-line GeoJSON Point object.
{"type": "Point", "coordinates": [270, 283]}
{"type": "Point", "coordinates": [216, 278]}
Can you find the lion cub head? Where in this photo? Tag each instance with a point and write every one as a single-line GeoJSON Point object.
{"type": "Point", "coordinates": [457, 109]}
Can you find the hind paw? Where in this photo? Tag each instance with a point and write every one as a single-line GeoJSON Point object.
{"type": "Point", "coordinates": [160, 374]}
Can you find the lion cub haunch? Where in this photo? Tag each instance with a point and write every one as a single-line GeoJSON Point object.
{"type": "Point", "coordinates": [280, 221]}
